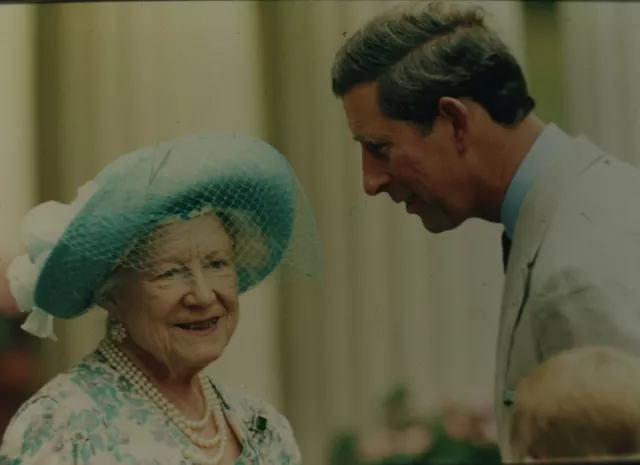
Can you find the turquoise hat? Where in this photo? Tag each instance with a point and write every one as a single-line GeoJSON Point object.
{"type": "Point", "coordinates": [226, 172]}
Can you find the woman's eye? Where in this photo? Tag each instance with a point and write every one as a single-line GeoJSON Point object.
{"type": "Point", "coordinates": [170, 273]}
{"type": "Point", "coordinates": [217, 264]}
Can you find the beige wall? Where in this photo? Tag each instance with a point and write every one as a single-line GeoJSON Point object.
{"type": "Point", "coordinates": [17, 121]}
{"type": "Point", "coordinates": [602, 73]}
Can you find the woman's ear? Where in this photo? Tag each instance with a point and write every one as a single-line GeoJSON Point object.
{"type": "Point", "coordinates": [108, 303]}
{"type": "Point", "coordinates": [108, 296]}
{"type": "Point", "coordinates": [114, 311]}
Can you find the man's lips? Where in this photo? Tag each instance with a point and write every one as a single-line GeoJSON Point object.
{"type": "Point", "coordinates": [407, 200]}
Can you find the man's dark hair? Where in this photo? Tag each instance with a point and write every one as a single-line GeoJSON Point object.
{"type": "Point", "coordinates": [421, 53]}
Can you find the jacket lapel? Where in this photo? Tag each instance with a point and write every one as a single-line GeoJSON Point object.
{"type": "Point", "coordinates": [536, 213]}
{"type": "Point", "coordinates": [506, 249]}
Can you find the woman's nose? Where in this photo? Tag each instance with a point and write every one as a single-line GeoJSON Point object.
{"type": "Point", "coordinates": [202, 293]}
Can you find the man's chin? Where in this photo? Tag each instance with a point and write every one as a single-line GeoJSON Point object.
{"type": "Point", "coordinates": [438, 225]}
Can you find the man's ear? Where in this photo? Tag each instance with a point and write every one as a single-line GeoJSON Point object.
{"type": "Point", "coordinates": [456, 112]}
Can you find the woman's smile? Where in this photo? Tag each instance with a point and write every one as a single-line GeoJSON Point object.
{"type": "Point", "coordinates": [202, 327]}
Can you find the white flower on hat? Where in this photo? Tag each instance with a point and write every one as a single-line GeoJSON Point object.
{"type": "Point", "coordinates": [40, 230]}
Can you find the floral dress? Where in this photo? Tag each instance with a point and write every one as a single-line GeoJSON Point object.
{"type": "Point", "coordinates": [91, 415]}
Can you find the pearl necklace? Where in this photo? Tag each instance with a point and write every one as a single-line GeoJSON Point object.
{"type": "Point", "coordinates": [142, 384]}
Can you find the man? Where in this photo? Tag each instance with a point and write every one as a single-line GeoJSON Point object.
{"type": "Point", "coordinates": [444, 119]}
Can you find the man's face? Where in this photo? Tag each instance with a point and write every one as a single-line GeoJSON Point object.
{"type": "Point", "coordinates": [426, 172]}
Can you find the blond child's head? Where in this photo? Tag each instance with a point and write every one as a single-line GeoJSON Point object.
{"type": "Point", "coordinates": [583, 402]}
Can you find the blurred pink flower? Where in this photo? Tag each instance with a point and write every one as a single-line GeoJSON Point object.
{"type": "Point", "coordinates": [8, 305]}
{"type": "Point", "coordinates": [412, 441]}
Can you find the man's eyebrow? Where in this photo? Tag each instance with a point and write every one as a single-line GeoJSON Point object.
{"type": "Point", "coordinates": [370, 141]}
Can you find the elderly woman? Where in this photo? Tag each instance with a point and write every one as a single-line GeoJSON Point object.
{"type": "Point", "coordinates": [164, 239]}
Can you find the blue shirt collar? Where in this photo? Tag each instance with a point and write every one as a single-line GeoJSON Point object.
{"type": "Point", "coordinates": [542, 154]}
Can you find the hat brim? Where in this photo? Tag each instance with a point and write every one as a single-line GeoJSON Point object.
{"type": "Point", "coordinates": [122, 211]}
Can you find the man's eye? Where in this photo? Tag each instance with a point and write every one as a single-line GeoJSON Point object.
{"type": "Point", "coordinates": [378, 150]}
{"type": "Point", "coordinates": [384, 150]}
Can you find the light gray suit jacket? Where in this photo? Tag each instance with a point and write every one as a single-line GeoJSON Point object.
{"type": "Point", "coordinates": [574, 270]}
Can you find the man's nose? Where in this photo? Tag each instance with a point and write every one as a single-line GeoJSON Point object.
{"type": "Point", "coordinates": [375, 176]}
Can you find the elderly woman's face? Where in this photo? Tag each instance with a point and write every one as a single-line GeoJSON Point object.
{"type": "Point", "coordinates": [184, 309]}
